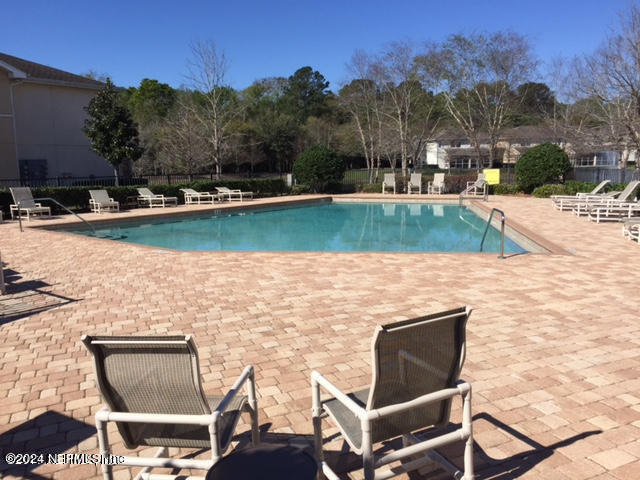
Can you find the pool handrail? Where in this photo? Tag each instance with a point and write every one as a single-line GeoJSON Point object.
{"type": "Point", "coordinates": [502, 221]}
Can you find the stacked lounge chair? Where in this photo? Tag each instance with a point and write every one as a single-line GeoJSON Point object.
{"type": "Point", "coordinates": [590, 205]}
{"type": "Point", "coordinates": [567, 202]}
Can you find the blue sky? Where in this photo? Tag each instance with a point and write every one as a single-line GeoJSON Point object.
{"type": "Point", "coordinates": [131, 40]}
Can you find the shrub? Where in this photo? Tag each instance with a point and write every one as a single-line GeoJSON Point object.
{"type": "Point", "coordinates": [545, 163]}
{"type": "Point", "coordinates": [504, 189]}
{"type": "Point", "coordinates": [300, 189]}
{"type": "Point", "coordinates": [545, 191]}
{"type": "Point", "coordinates": [318, 166]}
{"type": "Point", "coordinates": [457, 183]}
{"type": "Point", "coordinates": [370, 187]}
{"type": "Point", "coordinates": [571, 187]}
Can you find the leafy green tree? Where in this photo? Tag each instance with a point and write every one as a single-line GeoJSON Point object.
{"type": "Point", "coordinates": [534, 102]}
{"type": "Point", "coordinates": [151, 100]}
{"type": "Point", "coordinates": [545, 163]}
{"type": "Point", "coordinates": [111, 130]}
{"type": "Point", "coordinates": [318, 166]}
{"type": "Point", "coordinates": [150, 104]}
{"type": "Point", "coordinates": [305, 94]}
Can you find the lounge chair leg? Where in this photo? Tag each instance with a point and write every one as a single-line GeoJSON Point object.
{"type": "Point", "coordinates": [216, 452]}
{"type": "Point", "coordinates": [468, 425]}
{"type": "Point", "coordinates": [367, 451]}
{"type": "Point", "coordinates": [316, 415]}
{"type": "Point", "coordinates": [253, 405]}
{"type": "Point", "coordinates": [103, 443]}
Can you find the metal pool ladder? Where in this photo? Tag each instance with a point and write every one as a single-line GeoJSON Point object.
{"type": "Point", "coordinates": [502, 219]}
{"type": "Point", "coordinates": [61, 206]}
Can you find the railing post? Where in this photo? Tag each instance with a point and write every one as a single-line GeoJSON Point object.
{"type": "Point", "coordinates": [501, 257]}
{"type": "Point", "coordinates": [19, 217]}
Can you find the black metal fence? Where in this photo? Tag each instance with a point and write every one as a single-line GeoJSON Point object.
{"type": "Point", "coordinates": [363, 175]}
{"type": "Point", "coordinates": [598, 174]}
{"type": "Point", "coordinates": [92, 181]}
{"type": "Point", "coordinates": [351, 177]}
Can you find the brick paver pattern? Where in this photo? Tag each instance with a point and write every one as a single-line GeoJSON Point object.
{"type": "Point", "coordinates": [553, 343]}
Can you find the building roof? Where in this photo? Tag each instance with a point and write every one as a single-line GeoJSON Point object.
{"type": "Point", "coordinates": [36, 72]}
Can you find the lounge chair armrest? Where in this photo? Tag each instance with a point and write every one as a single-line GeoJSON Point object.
{"type": "Point", "coordinates": [107, 415]}
{"type": "Point", "coordinates": [247, 374]}
{"type": "Point", "coordinates": [318, 379]}
{"type": "Point", "coordinates": [461, 388]}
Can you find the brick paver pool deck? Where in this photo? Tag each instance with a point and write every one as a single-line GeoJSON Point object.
{"type": "Point", "coordinates": [553, 349]}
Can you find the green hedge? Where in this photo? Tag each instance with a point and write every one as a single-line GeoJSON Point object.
{"type": "Point", "coordinates": [504, 189]}
{"type": "Point", "coordinates": [545, 191]}
{"type": "Point", "coordinates": [77, 198]}
{"type": "Point", "coordinates": [571, 187]}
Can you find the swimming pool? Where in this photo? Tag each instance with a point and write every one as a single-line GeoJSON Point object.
{"type": "Point", "coordinates": [326, 227]}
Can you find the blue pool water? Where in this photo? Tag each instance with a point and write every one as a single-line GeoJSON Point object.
{"type": "Point", "coordinates": [327, 227]}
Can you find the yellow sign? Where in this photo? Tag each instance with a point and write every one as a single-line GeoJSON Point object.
{"type": "Point", "coordinates": [492, 175]}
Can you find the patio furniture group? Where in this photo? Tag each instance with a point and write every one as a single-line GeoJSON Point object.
{"type": "Point", "coordinates": [152, 389]}
{"type": "Point", "coordinates": [600, 206]}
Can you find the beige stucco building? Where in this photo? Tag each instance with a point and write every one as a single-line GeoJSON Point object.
{"type": "Point", "coordinates": [41, 119]}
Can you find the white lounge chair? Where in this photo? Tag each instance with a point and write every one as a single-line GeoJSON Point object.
{"type": "Point", "coordinates": [584, 205]}
{"type": "Point", "coordinates": [23, 202]}
{"type": "Point", "coordinates": [477, 187]}
{"type": "Point", "coordinates": [193, 197]}
{"type": "Point", "coordinates": [100, 201]}
{"type": "Point", "coordinates": [613, 211]}
{"type": "Point", "coordinates": [389, 182]}
{"type": "Point", "coordinates": [416, 366]}
{"type": "Point", "coordinates": [236, 194]}
{"type": "Point", "coordinates": [567, 202]}
{"type": "Point", "coordinates": [153, 393]}
{"type": "Point", "coordinates": [415, 183]}
{"type": "Point", "coordinates": [631, 229]}
{"type": "Point", "coordinates": [147, 198]}
{"type": "Point", "coordinates": [437, 185]}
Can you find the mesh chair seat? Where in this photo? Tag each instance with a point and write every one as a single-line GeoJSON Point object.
{"type": "Point", "coordinates": [348, 423]}
{"type": "Point", "coordinates": [192, 436]}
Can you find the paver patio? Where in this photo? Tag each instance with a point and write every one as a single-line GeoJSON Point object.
{"type": "Point", "coordinates": [553, 343]}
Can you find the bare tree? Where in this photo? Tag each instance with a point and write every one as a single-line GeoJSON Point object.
{"type": "Point", "coordinates": [215, 108]}
{"type": "Point", "coordinates": [477, 74]}
{"type": "Point", "coordinates": [409, 112]}
{"type": "Point", "coordinates": [610, 79]}
{"type": "Point", "coordinates": [392, 112]}
{"type": "Point", "coordinates": [362, 99]}
{"type": "Point", "coordinates": [183, 147]}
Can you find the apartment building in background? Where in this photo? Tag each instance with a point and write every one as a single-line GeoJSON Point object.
{"type": "Point", "coordinates": [41, 119]}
